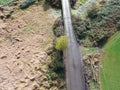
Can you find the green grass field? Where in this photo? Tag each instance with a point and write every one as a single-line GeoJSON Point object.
{"type": "Point", "coordinates": [110, 71]}
{"type": "Point", "coordinates": [3, 2]}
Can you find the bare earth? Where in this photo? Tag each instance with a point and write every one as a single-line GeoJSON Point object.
{"type": "Point", "coordinates": [23, 41]}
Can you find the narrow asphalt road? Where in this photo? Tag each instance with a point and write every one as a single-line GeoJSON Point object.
{"type": "Point", "coordinates": [74, 73]}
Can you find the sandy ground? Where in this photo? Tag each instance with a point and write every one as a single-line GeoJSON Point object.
{"type": "Point", "coordinates": [23, 40]}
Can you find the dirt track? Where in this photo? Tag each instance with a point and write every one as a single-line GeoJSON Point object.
{"type": "Point", "coordinates": [23, 41]}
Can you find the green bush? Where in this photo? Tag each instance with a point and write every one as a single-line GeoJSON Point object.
{"type": "Point", "coordinates": [56, 66]}
{"type": "Point", "coordinates": [26, 4]}
{"type": "Point", "coordinates": [57, 29]}
{"type": "Point", "coordinates": [61, 43]}
{"type": "Point", "coordinates": [104, 21]}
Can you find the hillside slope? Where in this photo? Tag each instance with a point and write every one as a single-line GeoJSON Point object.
{"type": "Point", "coordinates": [23, 40]}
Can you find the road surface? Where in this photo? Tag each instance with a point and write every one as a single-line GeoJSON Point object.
{"type": "Point", "coordinates": [74, 73]}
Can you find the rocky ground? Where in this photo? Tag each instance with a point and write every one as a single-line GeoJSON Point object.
{"type": "Point", "coordinates": [23, 40]}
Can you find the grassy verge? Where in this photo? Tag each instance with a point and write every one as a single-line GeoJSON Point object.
{"type": "Point", "coordinates": [110, 74]}
{"type": "Point", "coordinates": [88, 51]}
{"type": "Point", "coordinates": [3, 2]}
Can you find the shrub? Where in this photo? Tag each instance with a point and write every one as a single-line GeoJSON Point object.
{"type": "Point", "coordinates": [57, 29]}
{"type": "Point", "coordinates": [56, 66]}
{"type": "Point", "coordinates": [104, 21]}
{"type": "Point", "coordinates": [100, 24]}
{"type": "Point", "coordinates": [61, 43]}
{"type": "Point", "coordinates": [26, 4]}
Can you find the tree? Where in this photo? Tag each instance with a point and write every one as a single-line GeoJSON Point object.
{"type": "Point", "coordinates": [61, 43]}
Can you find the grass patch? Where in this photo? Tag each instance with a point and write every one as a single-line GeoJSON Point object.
{"type": "Point", "coordinates": [88, 51]}
{"type": "Point", "coordinates": [110, 74]}
{"type": "Point", "coordinates": [3, 2]}
{"type": "Point", "coordinates": [30, 28]}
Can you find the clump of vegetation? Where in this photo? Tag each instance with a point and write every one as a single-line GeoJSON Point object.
{"type": "Point", "coordinates": [56, 66]}
{"type": "Point", "coordinates": [104, 22]}
{"type": "Point", "coordinates": [56, 71]}
{"type": "Point", "coordinates": [26, 4]}
{"type": "Point", "coordinates": [3, 2]}
{"type": "Point", "coordinates": [57, 29]}
{"type": "Point", "coordinates": [100, 24]}
{"type": "Point", "coordinates": [61, 43]}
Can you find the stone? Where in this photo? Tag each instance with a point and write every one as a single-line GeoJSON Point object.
{"type": "Point", "coordinates": [43, 69]}
{"type": "Point", "coordinates": [49, 48]}
{"type": "Point", "coordinates": [32, 79]}
{"type": "Point", "coordinates": [46, 84]}
{"type": "Point", "coordinates": [23, 81]}
{"type": "Point", "coordinates": [55, 82]}
{"type": "Point", "coordinates": [3, 57]}
{"type": "Point", "coordinates": [43, 78]}
{"type": "Point", "coordinates": [18, 39]}
{"type": "Point", "coordinates": [2, 25]}
{"type": "Point", "coordinates": [54, 88]}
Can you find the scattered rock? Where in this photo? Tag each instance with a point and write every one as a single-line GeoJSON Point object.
{"type": "Point", "coordinates": [42, 88]}
{"type": "Point", "coordinates": [54, 88]}
{"type": "Point", "coordinates": [32, 78]}
{"type": "Point", "coordinates": [25, 71]}
{"type": "Point", "coordinates": [43, 69]}
{"type": "Point", "coordinates": [5, 14]}
{"type": "Point", "coordinates": [55, 83]}
{"type": "Point", "coordinates": [35, 87]}
{"type": "Point", "coordinates": [18, 39]}
{"type": "Point", "coordinates": [3, 57]}
{"type": "Point", "coordinates": [46, 84]}
{"type": "Point", "coordinates": [2, 25]}
{"type": "Point", "coordinates": [49, 48]}
{"type": "Point", "coordinates": [43, 78]}
{"type": "Point", "coordinates": [23, 81]}
{"type": "Point", "coordinates": [18, 57]}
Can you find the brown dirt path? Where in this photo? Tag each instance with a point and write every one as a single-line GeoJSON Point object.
{"type": "Point", "coordinates": [23, 40]}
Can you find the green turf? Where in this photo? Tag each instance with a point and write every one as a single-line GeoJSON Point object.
{"type": "Point", "coordinates": [3, 2]}
{"type": "Point", "coordinates": [110, 71]}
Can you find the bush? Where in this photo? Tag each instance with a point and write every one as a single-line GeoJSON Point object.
{"type": "Point", "coordinates": [57, 29]}
{"type": "Point", "coordinates": [100, 24]}
{"type": "Point", "coordinates": [61, 43]}
{"type": "Point", "coordinates": [26, 4]}
{"type": "Point", "coordinates": [56, 66]}
{"type": "Point", "coordinates": [104, 21]}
